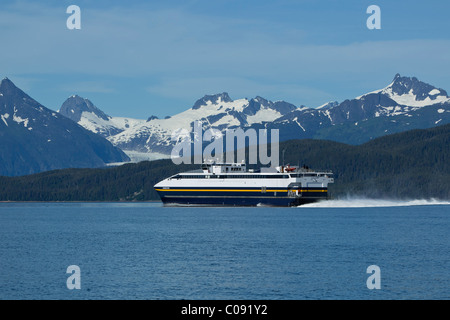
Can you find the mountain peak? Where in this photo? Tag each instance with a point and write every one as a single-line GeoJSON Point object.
{"type": "Point", "coordinates": [328, 105]}
{"type": "Point", "coordinates": [75, 105]}
{"type": "Point", "coordinates": [11, 92]}
{"type": "Point", "coordinates": [410, 91]}
{"type": "Point", "coordinates": [414, 89]}
{"type": "Point", "coordinates": [223, 97]}
{"type": "Point", "coordinates": [36, 139]}
{"type": "Point", "coordinates": [7, 85]}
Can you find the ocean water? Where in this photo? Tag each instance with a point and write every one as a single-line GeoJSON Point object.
{"type": "Point", "coordinates": [147, 251]}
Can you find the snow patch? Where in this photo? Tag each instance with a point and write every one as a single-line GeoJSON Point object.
{"type": "Point", "coordinates": [92, 122]}
{"type": "Point", "coordinates": [327, 113]}
{"type": "Point", "coordinates": [263, 115]}
{"type": "Point", "coordinates": [20, 120]}
{"type": "Point", "coordinates": [322, 106]}
{"type": "Point", "coordinates": [410, 99]}
{"type": "Point", "coordinates": [136, 156]}
{"type": "Point", "coordinates": [434, 92]}
{"type": "Point", "coordinates": [296, 121]}
{"type": "Point", "coordinates": [4, 117]}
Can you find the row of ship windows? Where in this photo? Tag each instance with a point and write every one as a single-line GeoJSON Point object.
{"type": "Point", "coordinates": [246, 176]}
{"type": "Point", "coordinates": [234, 176]}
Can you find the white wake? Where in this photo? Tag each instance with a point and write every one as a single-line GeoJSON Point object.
{"type": "Point", "coordinates": [367, 203]}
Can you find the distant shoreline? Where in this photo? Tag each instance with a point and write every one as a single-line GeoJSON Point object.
{"type": "Point", "coordinates": [81, 201]}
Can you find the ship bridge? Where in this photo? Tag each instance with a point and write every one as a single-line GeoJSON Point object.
{"type": "Point", "coordinates": [218, 168]}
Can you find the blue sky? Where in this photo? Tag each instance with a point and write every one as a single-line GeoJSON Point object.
{"type": "Point", "coordinates": [143, 58]}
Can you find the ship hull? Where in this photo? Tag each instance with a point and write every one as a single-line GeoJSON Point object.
{"type": "Point", "coordinates": [243, 198]}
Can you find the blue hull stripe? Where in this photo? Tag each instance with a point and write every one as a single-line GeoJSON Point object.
{"type": "Point", "coordinates": [241, 197]}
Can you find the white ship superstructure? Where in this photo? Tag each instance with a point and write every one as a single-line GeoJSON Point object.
{"type": "Point", "coordinates": [231, 184]}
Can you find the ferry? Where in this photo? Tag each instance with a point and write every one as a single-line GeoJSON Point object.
{"type": "Point", "coordinates": [231, 184]}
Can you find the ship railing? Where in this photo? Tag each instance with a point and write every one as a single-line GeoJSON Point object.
{"type": "Point", "coordinates": [313, 170]}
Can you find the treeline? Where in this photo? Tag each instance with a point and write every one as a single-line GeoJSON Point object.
{"type": "Point", "coordinates": [408, 165]}
{"type": "Point", "coordinates": [413, 164]}
{"type": "Point", "coordinates": [129, 182]}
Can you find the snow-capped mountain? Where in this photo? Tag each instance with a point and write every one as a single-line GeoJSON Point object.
{"type": "Point", "coordinates": [36, 139]}
{"type": "Point", "coordinates": [87, 115]}
{"type": "Point", "coordinates": [406, 103]}
{"type": "Point", "coordinates": [153, 137]}
{"type": "Point", "coordinates": [411, 92]}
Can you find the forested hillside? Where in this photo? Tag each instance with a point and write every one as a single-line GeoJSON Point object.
{"type": "Point", "coordinates": [413, 164]}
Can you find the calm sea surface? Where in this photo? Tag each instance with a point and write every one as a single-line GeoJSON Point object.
{"type": "Point", "coordinates": [146, 251]}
